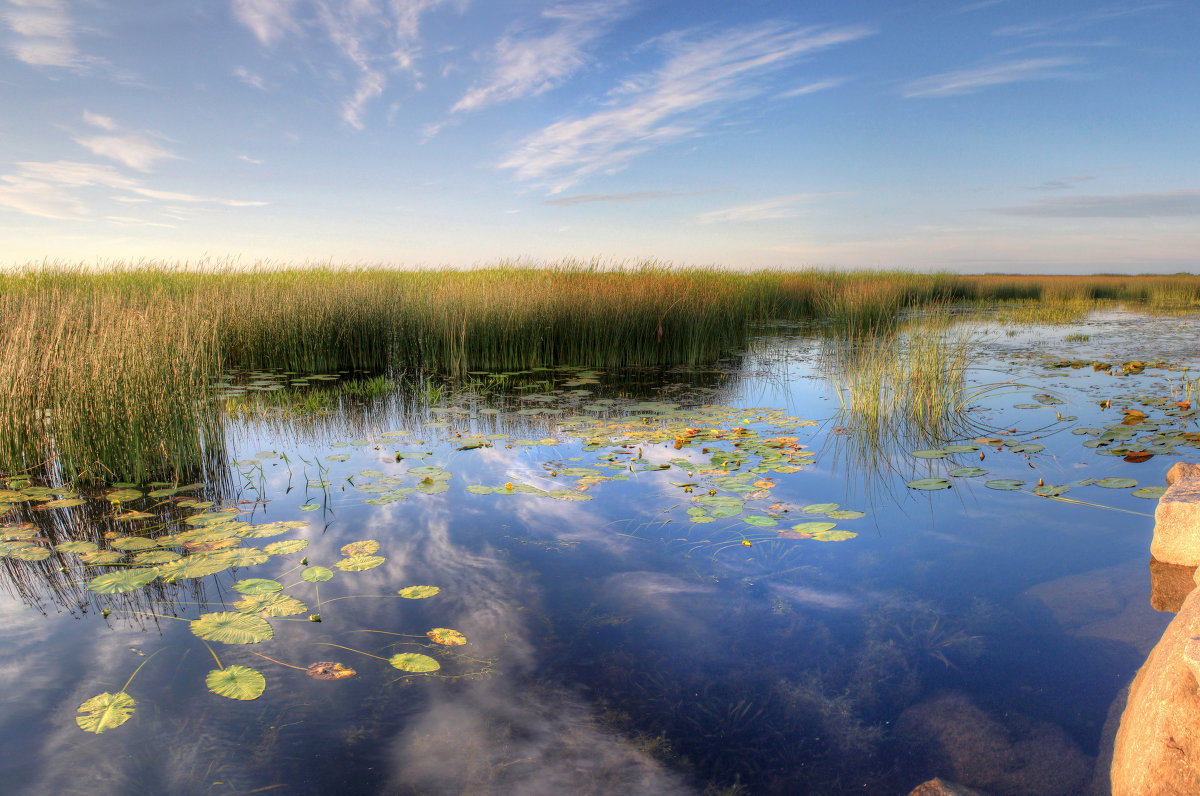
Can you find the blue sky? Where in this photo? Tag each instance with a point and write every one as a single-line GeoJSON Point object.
{"type": "Point", "coordinates": [968, 135]}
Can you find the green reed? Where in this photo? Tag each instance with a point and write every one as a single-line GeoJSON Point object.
{"type": "Point", "coordinates": [105, 369]}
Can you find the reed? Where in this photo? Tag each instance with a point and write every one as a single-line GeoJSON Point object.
{"type": "Point", "coordinates": [105, 370]}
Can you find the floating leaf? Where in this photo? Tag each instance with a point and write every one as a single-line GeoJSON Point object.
{"type": "Point", "coordinates": [285, 547]}
{"type": "Point", "coordinates": [359, 563]}
{"type": "Point", "coordinates": [446, 637]}
{"type": "Point", "coordinates": [123, 581]}
{"type": "Point", "coordinates": [31, 553]}
{"type": "Point", "coordinates": [929, 483]}
{"type": "Point", "coordinates": [133, 543]}
{"type": "Point", "coordinates": [935, 453]}
{"type": "Point", "coordinates": [270, 605]}
{"type": "Point", "coordinates": [833, 536]}
{"type": "Point", "coordinates": [1117, 483]}
{"type": "Point", "coordinates": [242, 557]}
{"type": "Point", "coordinates": [1004, 484]}
{"type": "Point", "coordinates": [310, 507]}
{"type": "Point", "coordinates": [329, 670]}
{"type": "Point", "coordinates": [845, 514]}
{"type": "Point", "coordinates": [129, 516]}
{"type": "Point", "coordinates": [76, 547]}
{"type": "Point", "coordinates": [414, 662]}
{"type": "Point", "coordinates": [1153, 492]}
{"type": "Point", "coordinates": [264, 531]}
{"type": "Point", "coordinates": [820, 508]}
{"type": "Point", "coordinates": [418, 592]}
{"type": "Point", "coordinates": [257, 586]}
{"type": "Point", "coordinates": [317, 574]}
{"type": "Point", "coordinates": [760, 520]}
{"type": "Point", "coordinates": [814, 527]}
{"type": "Point", "coordinates": [100, 557]}
{"type": "Point", "coordinates": [232, 627]}
{"type": "Point", "coordinates": [363, 548]}
{"type": "Point", "coordinates": [967, 472]}
{"type": "Point", "coordinates": [1050, 490]}
{"type": "Point", "coordinates": [236, 682]}
{"type": "Point", "coordinates": [61, 503]}
{"type": "Point", "coordinates": [104, 712]}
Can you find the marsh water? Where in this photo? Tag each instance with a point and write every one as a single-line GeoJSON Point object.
{"type": "Point", "coordinates": [668, 581]}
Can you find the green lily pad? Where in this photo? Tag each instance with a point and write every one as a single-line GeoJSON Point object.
{"type": "Point", "coordinates": [317, 574]}
{"type": "Point", "coordinates": [359, 563]}
{"type": "Point", "coordinates": [310, 507]}
{"type": "Point", "coordinates": [414, 662]}
{"type": "Point", "coordinates": [760, 520]}
{"type": "Point", "coordinates": [122, 581]}
{"type": "Point", "coordinates": [362, 548]}
{"type": "Point", "coordinates": [446, 637]}
{"type": "Point", "coordinates": [257, 586]}
{"type": "Point", "coordinates": [105, 711]}
{"type": "Point", "coordinates": [232, 627]}
{"type": "Point", "coordinates": [845, 514]}
{"type": "Point", "coordinates": [275, 604]}
{"type": "Point", "coordinates": [133, 543]}
{"type": "Point", "coordinates": [31, 553]}
{"type": "Point", "coordinates": [967, 472]}
{"type": "Point", "coordinates": [236, 682]}
{"type": "Point", "coordinates": [418, 592]}
{"type": "Point", "coordinates": [1006, 484]}
{"type": "Point", "coordinates": [820, 508]}
{"type": "Point", "coordinates": [934, 453]}
{"type": "Point", "coordinates": [285, 547]}
{"type": "Point", "coordinates": [833, 536]}
{"type": "Point", "coordinates": [929, 483]}
{"type": "Point", "coordinates": [1150, 492]}
{"type": "Point", "coordinates": [76, 547]}
{"type": "Point", "coordinates": [814, 527]}
{"type": "Point", "coordinates": [1051, 490]}
{"type": "Point", "coordinates": [241, 557]}
{"type": "Point", "coordinates": [1117, 483]}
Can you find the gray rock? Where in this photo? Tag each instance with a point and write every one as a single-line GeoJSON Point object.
{"type": "Point", "coordinates": [940, 787]}
{"type": "Point", "coordinates": [1177, 519]}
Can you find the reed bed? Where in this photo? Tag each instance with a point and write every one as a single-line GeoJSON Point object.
{"type": "Point", "coordinates": [105, 370]}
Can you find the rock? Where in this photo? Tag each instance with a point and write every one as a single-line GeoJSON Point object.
{"type": "Point", "coordinates": [1177, 518]}
{"type": "Point", "coordinates": [1170, 584]}
{"type": "Point", "coordinates": [1157, 752]}
{"type": "Point", "coordinates": [954, 736]}
{"type": "Point", "coordinates": [940, 787]}
{"type": "Point", "coordinates": [1182, 470]}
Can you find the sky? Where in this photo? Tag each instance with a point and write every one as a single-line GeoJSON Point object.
{"type": "Point", "coordinates": [973, 136]}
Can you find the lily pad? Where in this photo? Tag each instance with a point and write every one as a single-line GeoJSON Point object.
{"type": "Point", "coordinates": [934, 453]}
{"type": "Point", "coordinates": [257, 586]}
{"type": "Point", "coordinates": [814, 527]}
{"type": "Point", "coordinates": [833, 536]}
{"type": "Point", "coordinates": [1006, 484]}
{"type": "Point", "coordinates": [1117, 483]}
{"type": "Point", "coordinates": [446, 637]}
{"type": "Point", "coordinates": [105, 711]}
{"type": "Point", "coordinates": [285, 547]}
{"type": "Point", "coordinates": [232, 627]}
{"type": "Point", "coordinates": [363, 548]}
{"type": "Point", "coordinates": [329, 670]}
{"type": "Point", "coordinates": [967, 472]}
{"type": "Point", "coordinates": [418, 592]}
{"type": "Point", "coordinates": [1051, 490]}
{"type": "Point", "coordinates": [359, 563]}
{"type": "Point", "coordinates": [760, 520]}
{"type": "Point", "coordinates": [414, 662]}
{"type": "Point", "coordinates": [929, 483]}
{"type": "Point", "coordinates": [236, 682]}
{"type": "Point", "coordinates": [820, 508]}
{"type": "Point", "coordinates": [845, 514]}
{"type": "Point", "coordinates": [1150, 492]}
{"type": "Point", "coordinates": [317, 574]}
{"type": "Point", "coordinates": [310, 507]}
{"type": "Point", "coordinates": [123, 581]}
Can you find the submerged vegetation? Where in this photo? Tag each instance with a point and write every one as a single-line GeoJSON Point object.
{"type": "Point", "coordinates": [107, 371]}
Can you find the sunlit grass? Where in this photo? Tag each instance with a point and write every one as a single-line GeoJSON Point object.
{"type": "Point", "coordinates": [105, 370]}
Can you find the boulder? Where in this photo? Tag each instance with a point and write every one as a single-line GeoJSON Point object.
{"type": "Point", "coordinates": [940, 787]}
{"type": "Point", "coordinates": [1157, 751]}
{"type": "Point", "coordinates": [1177, 518]}
{"type": "Point", "coordinates": [1170, 584]}
{"type": "Point", "coordinates": [950, 734]}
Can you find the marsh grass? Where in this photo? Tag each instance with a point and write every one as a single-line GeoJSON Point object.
{"type": "Point", "coordinates": [104, 370]}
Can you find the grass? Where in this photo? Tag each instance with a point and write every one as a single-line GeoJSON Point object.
{"type": "Point", "coordinates": [105, 370]}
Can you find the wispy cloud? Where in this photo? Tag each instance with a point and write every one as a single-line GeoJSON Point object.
{"type": "Point", "coordinates": [46, 34]}
{"type": "Point", "coordinates": [1075, 22]}
{"type": "Point", "coordinates": [1160, 204]}
{"type": "Point", "coordinates": [133, 150]}
{"type": "Point", "coordinates": [530, 65]}
{"type": "Point", "coordinates": [968, 81]}
{"type": "Point", "coordinates": [376, 37]}
{"type": "Point", "coordinates": [812, 88]}
{"type": "Point", "coordinates": [249, 78]}
{"type": "Point", "coordinates": [1060, 184]}
{"type": "Point", "coordinates": [765, 210]}
{"type": "Point", "coordinates": [48, 189]}
{"type": "Point", "coordinates": [624, 198]}
{"type": "Point", "coordinates": [267, 19]}
{"type": "Point", "coordinates": [665, 105]}
{"type": "Point", "coordinates": [96, 120]}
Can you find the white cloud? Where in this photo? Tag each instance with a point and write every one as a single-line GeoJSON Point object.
{"type": "Point", "coordinates": [249, 159]}
{"type": "Point", "coordinates": [968, 81]}
{"type": "Point", "coordinates": [267, 19]}
{"type": "Point", "coordinates": [96, 120]}
{"type": "Point", "coordinates": [813, 88]}
{"type": "Point", "coordinates": [133, 150]}
{"type": "Point", "coordinates": [765, 210]}
{"type": "Point", "coordinates": [622, 198]}
{"type": "Point", "coordinates": [46, 189]}
{"type": "Point", "coordinates": [47, 34]}
{"type": "Point", "coordinates": [664, 106]}
{"type": "Point", "coordinates": [532, 65]}
{"type": "Point", "coordinates": [249, 78]}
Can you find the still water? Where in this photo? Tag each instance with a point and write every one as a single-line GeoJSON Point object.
{"type": "Point", "coordinates": [667, 581]}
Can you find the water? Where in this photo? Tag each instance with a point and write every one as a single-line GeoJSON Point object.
{"type": "Point", "coordinates": [614, 645]}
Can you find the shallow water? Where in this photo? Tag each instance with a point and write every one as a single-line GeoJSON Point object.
{"type": "Point", "coordinates": [614, 644]}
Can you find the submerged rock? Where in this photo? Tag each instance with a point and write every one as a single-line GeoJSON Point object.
{"type": "Point", "coordinates": [1157, 751]}
{"type": "Point", "coordinates": [1020, 757]}
{"type": "Point", "coordinates": [1170, 584]}
{"type": "Point", "coordinates": [1177, 518]}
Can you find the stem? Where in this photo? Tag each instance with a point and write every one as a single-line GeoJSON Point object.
{"type": "Point", "coordinates": [351, 649]}
{"type": "Point", "coordinates": [215, 658]}
{"type": "Point", "coordinates": [138, 669]}
{"type": "Point", "coordinates": [281, 663]}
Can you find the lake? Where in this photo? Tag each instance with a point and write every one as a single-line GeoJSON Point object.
{"type": "Point", "coordinates": [646, 581]}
